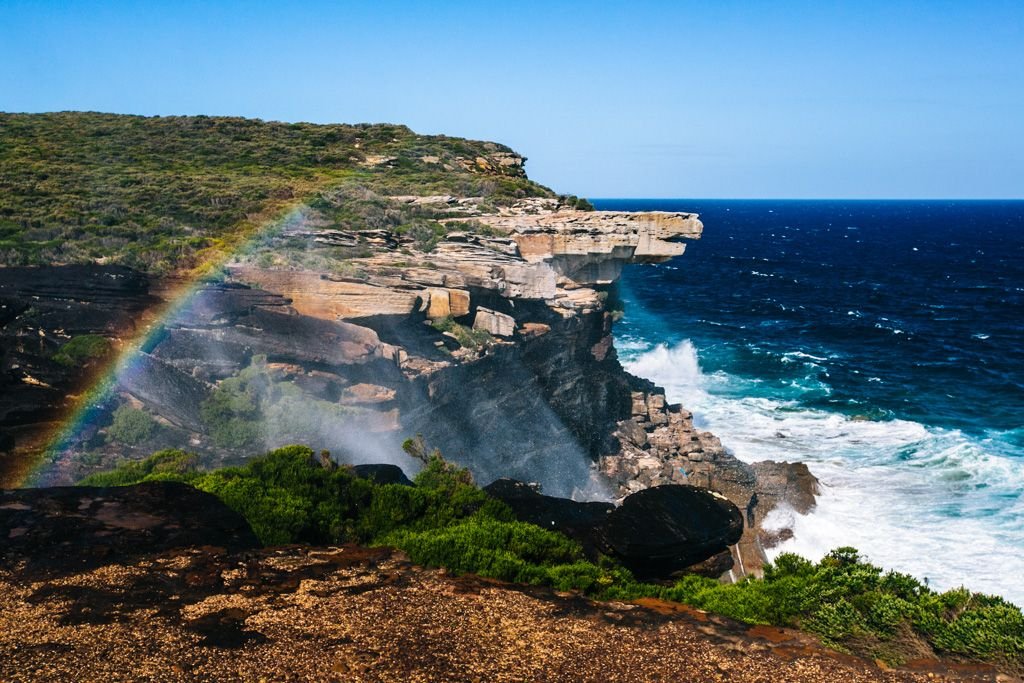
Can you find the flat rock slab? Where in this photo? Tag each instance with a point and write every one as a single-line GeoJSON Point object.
{"type": "Point", "coordinates": [60, 530]}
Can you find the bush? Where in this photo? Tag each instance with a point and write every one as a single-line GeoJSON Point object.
{"type": "Point", "coordinates": [82, 350]}
{"type": "Point", "coordinates": [168, 464]}
{"type": "Point", "coordinates": [466, 336]}
{"type": "Point", "coordinates": [168, 193]}
{"type": "Point", "coordinates": [130, 426]}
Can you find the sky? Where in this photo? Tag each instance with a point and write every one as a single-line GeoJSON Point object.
{"type": "Point", "coordinates": [894, 99]}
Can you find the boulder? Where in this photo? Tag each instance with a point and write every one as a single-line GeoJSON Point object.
{"type": "Point", "coordinates": [656, 533]}
{"type": "Point", "coordinates": [662, 530]}
{"type": "Point", "coordinates": [382, 474]}
{"type": "Point", "coordinates": [574, 519]}
{"type": "Point", "coordinates": [66, 529]}
{"type": "Point", "coordinates": [498, 324]}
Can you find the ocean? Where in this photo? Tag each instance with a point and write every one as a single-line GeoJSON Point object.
{"type": "Point", "coordinates": [881, 343]}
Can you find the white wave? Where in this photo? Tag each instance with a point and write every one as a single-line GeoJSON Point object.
{"type": "Point", "coordinates": [931, 502]}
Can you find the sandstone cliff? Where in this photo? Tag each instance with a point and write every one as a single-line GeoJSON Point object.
{"type": "Point", "coordinates": [494, 343]}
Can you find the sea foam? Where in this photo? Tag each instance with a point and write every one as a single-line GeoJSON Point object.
{"type": "Point", "coordinates": [932, 502]}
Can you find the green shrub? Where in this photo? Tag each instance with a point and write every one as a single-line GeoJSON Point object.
{"type": "Point", "coordinates": [168, 464]}
{"type": "Point", "coordinates": [160, 193]}
{"type": "Point", "coordinates": [130, 426]}
{"type": "Point", "coordinates": [82, 350]}
{"type": "Point", "coordinates": [511, 551]}
{"type": "Point", "coordinates": [466, 336]}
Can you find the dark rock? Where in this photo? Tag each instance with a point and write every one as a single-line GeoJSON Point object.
{"type": "Point", "coordinates": [40, 309]}
{"type": "Point", "coordinates": [224, 303]}
{"type": "Point", "coordinates": [713, 567]}
{"type": "Point", "coordinates": [382, 474]}
{"type": "Point", "coordinates": [574, 519]}
{"type": "Point", "coordinates": [166, 390]}
{"type": "Point", "coordinates": [655, 533]}
{"type": "Point", "coordinates": [662, 530]}
{"type": "Point", "coordinates": [786, 482]}
{"type": "Point", "coordinates": [60, 530]}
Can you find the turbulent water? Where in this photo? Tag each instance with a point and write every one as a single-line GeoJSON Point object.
{"type": "Point", "coordinates": [882, 343]}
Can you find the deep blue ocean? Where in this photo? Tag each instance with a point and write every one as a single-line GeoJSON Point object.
{"type": "Point", "coordinates": [880, 342]}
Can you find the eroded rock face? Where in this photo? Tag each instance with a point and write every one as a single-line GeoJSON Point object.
{"type": "Point", "coordinates": [40, 310]}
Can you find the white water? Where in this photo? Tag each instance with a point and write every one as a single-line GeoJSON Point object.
{"type": "Point", "coordinates": [930, 502]}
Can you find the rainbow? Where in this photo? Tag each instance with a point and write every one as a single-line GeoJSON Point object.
{"type": "Point", "coordinates": [41, 466]}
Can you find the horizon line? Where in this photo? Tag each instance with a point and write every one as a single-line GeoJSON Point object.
{"type": "Point", "coordinates": [811, 199]}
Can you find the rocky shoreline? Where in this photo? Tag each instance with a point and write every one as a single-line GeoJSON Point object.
{"type": "Point", "coordinates": [538, 398]}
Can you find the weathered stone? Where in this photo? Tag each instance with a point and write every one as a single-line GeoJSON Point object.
{"type": "Point", "coordinates": [458, 302]}
{"type": "Point", "coordinates": [367, 394]}
{"type": "Point", "coordinates": [498, 324]}
{"type": "Point", "coordinates": [655, 532]}
{"type": "Point", "coordinates": [633, 432]}
{"type": "Point", "coordinates": [664, 529]}
{"type": "Point", "coordinates": [66, 529]}
{"type": "Point", "coordinates": [439, 303]}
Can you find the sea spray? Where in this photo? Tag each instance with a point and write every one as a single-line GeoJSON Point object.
{"type": "Point", "coordinates": [917, 499]}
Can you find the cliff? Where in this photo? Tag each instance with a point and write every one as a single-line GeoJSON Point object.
{"type": "Point", "coordinates": [495, 344]}
{"type": "Point", "coordinates": [410, 285]}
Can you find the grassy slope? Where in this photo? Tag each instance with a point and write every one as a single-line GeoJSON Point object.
{"type": "Point", "coordinates": [165, 193]}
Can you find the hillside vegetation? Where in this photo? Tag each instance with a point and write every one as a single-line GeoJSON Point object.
{"type": "Point", "coordinates": [164, 193]}
{"type": "Point", "coordinates": [444, 520]}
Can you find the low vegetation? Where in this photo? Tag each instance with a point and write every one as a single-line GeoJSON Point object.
{"type": "Point", "coordinates": [131, 426]}
{"type": "Point", "coordinates": [163, 194]}
{"type": "Point", "coordinates": [444, 520]}
{"type": "Point", "coordinates": [82, 350]}
{"type": "Point", "coordinates": [245, 408]}
{"type": "Point", "coordinates": [466, 336]}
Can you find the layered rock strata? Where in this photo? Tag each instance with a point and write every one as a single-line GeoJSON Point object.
{"type": "Point", "coordinates": [495, 345]}
{"type": "Point", "coordinates": [539, 284]}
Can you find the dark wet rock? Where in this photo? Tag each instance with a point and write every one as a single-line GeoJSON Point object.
{"type": "Point", "coordinates": [662, 530]}
{"type": "Point", "coordinates": [382, 474]}
{"type": "Point", "coordinates": [713, 567]}
{"type": "Point", "coordinates": [60, 530]}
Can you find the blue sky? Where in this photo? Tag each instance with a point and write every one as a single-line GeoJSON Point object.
{"type": "Point", "coordinates": [629, 99]}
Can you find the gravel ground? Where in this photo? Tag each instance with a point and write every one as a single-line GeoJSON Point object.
{"type": "Point", "coordinates": [353, 614]}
